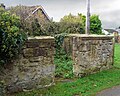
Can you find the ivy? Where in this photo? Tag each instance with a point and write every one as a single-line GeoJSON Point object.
{"type": "Point", "coordinates": [59, 40]}
{"type": "Point", "coordinates": [11, 37]}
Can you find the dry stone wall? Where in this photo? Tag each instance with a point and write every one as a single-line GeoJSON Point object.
{"type": "Point", "coordinates": [119, 39]}
{"type": "Point", "coordinates": [90, 53]}
{"type": "Point", "coordinates": [34, 68]}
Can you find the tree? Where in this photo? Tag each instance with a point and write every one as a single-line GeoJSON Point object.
{"type": "Point", "coordinates": [95, 25]}
{"type": "Point", "coordinates": [73, 19]}
{"type": "Point", "coordinates": [76, 24]}
{"type": "Point", "coordinates": [73, 24]}
{"type": "Point", "coordinates": [69, 27]}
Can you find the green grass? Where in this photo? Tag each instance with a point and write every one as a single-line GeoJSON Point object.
{"type": "Point", "coordinates": [87, 86]}
{"type": "Point", "coordinates": [117, 56]}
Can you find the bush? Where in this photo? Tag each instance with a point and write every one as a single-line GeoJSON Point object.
{"type": "Point", "coordinates": [64, 65]}
{"type": "Point", "coordinates": [11, 39]}
{"type": "Point", "coordinates": [71, 27]}
{"type": "Point", "coordinates": [63, 61]}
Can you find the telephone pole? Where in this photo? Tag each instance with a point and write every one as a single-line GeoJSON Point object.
{"type": "Point", "coordinates": [87, 31]}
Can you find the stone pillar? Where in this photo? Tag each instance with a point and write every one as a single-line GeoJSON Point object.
{"type": "Point", "coordinates": [119, 39]}
{"type": "Point", "coordinates": [91, 53]}
{"type": "Point", "coordinates": [34, 69]}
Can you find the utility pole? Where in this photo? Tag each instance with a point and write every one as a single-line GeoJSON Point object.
{"type": "Point", "coordinates": [87, 31]}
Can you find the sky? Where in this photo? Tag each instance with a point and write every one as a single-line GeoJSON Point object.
{"type": "Point", "coordinates": [108, 10]}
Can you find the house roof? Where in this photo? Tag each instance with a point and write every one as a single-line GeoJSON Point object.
{"type": "Point", "coordinates": [27, 11]}
{"type": "Point", "coordinates": [110, 30]}
{"type": "Point", "coordinates": [35, 9]}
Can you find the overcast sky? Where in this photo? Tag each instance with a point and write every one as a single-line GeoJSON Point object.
{"type": "Point", "coordinates": [108, 10]}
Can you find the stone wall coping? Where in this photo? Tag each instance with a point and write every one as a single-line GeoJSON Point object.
{"type": "Point", "coordinates": [41, 37]}
{"type": "Point", "coordinates": [90, 36]}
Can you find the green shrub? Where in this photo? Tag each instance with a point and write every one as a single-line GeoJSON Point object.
{"type": "Point", "coordinates": [63, 61]}
{"type": "Point", "coordinates": [64, 65]}
{"type": "Point", "coordinates": [71, 27]}
{"type": "Point", "coordinates": [11, 39]}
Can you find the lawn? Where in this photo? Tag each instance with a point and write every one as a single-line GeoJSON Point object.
{"type": "Point", "coordinates": [117, 56]}
{"type": "Point", "coordinates": [87, 86]}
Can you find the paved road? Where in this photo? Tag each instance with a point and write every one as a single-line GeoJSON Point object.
{"type": "Point", "coordinates": [115, 91]}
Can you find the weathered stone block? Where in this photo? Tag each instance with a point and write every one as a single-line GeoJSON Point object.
{"type": "Point", "coordinates": [32, 45]}
{"type": "Point", "coordinates": [40, 52]}
{"type": "Point", "coordinates": [2, 89]}
{"type": "Point", "coordinates": [36, 59]}
{"type": "Point", "coordinates": [28, 52]}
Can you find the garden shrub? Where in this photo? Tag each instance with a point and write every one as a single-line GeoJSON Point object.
{"type": "Point", "coordinates": [11, 37]}
{"type": "Point", "coordinates": [63, 61]}
{"type": "Point", "coordinates": [71, 27]}
{"type": "Point", "coordinates": [64, 65]}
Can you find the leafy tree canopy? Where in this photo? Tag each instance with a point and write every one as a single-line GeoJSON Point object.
{"type": "Point", "coordinates": [95, 25]}
{"type": "Point", "coordinates": [95, 22]}
{"type": "Point", "coordinates": [73, 19]}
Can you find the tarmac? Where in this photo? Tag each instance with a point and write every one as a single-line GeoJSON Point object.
{"type": "Point", "coordinates": [114, 91]}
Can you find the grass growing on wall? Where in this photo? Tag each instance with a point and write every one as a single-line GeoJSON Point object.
{"type": "Point", "coordinates": [87, 86]}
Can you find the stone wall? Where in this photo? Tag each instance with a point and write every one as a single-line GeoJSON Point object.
{"type": "Point", "coordinates": [33, 69]}
{"type": "Point", "coordinates": [119, 39]}
{"type": "Point", "coordinates": [90, 53]}
{"type": "Point", "coordinates": [2, 89]}
{"type": "Point", "coordinates": [67, 44]}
